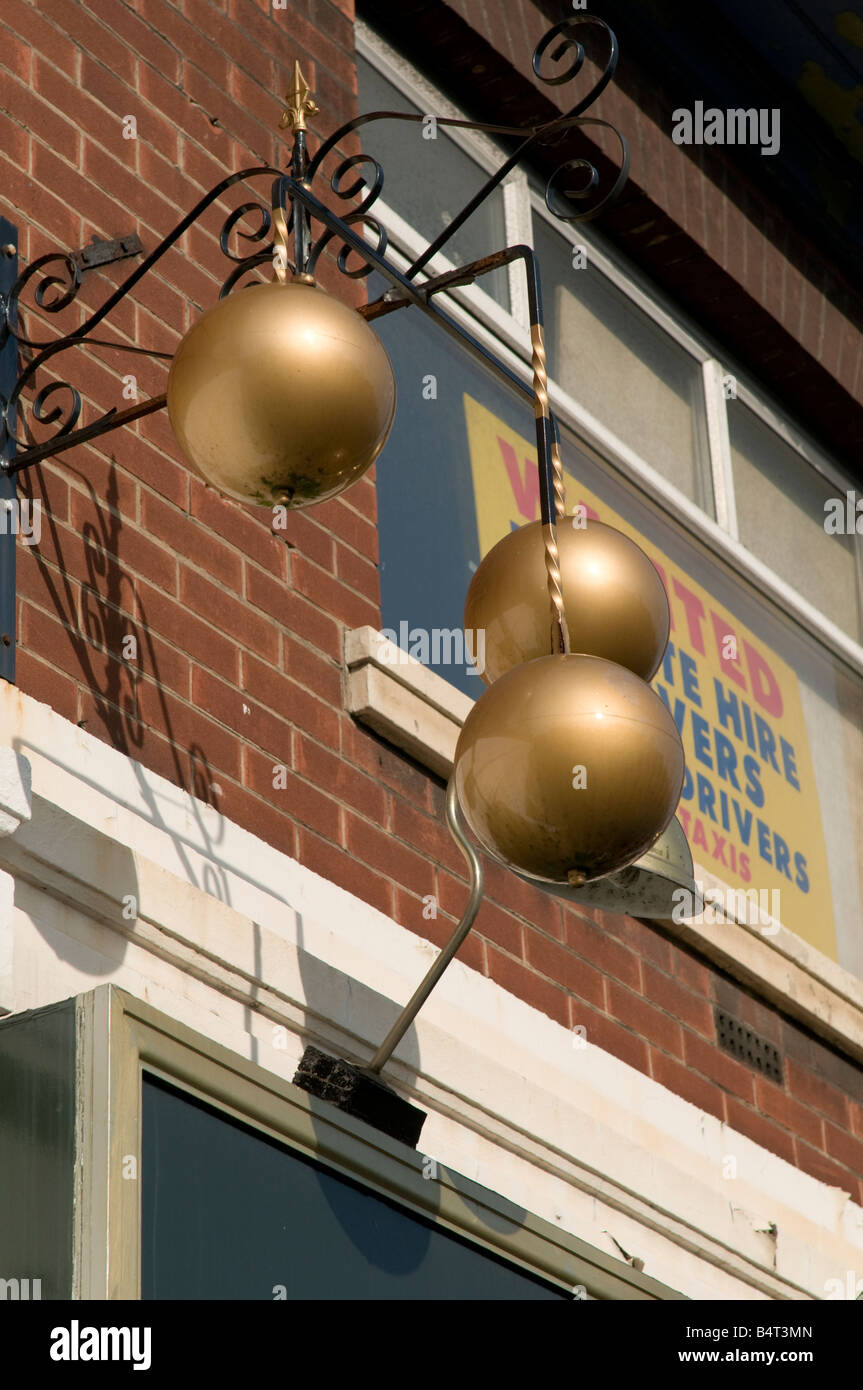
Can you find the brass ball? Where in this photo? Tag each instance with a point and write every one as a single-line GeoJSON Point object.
{"type": "Point", "coordinates": [281, 394]}
{"type": "Point", "coordinates": [614, 599]}
{"type": "Point", "coordinates": [568, 768]}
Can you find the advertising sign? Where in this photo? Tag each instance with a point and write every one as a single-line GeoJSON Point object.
{"type": "Point", "coordinates": [749, 806]}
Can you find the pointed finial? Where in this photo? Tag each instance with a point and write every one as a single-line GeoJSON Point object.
{"type": "Point", "coordinates": [300, 104]}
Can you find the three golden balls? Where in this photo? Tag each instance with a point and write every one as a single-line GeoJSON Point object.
{"type": "Point", "coordinates": [568, 768]}
{"type": "Point", "coordinates": [281, 394]}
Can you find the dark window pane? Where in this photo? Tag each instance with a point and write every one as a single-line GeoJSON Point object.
{"type": "Point", "coordinates": [228, 1213]}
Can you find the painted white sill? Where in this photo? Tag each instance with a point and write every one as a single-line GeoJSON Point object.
{"type": "Point", "coordinates": [403, 701]}
{"type": "Point", "coordinates": [421, 713]}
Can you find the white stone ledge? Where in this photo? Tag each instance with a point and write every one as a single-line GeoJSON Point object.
{"type": "Point", "coordinates": [403, 701]}
{"type": "Point", "coordinates": [15, 780]}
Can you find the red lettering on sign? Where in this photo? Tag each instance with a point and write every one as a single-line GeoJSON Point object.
{"type": "Point", "coordinates": [694, 614]}
{"type": "Point", "coordinates": [525, 488]}
{"type": "Point", "coordinates": [661, 572]}
{"type": "Point", "coordinates": [765, 686]}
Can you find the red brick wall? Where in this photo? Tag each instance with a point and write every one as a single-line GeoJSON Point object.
{"type": "Point", "coordinates": [240, 629]}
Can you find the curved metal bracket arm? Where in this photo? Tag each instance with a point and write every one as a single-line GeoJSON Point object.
{"type": "Point", "coordinates": [548, 456]}
{"type": "Point", "coordinates": [64, 289]}
{"type": "Point", "coordinates": [423, 990]}
{"type": "Point", "coordinates": [557, 44]}
{"type": "Point", "coordinates": [112, 421]}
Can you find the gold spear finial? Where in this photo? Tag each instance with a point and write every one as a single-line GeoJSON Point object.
{"type": "Point", "coordinates": [300, 104]}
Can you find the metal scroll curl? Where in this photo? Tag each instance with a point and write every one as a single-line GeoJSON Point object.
{"type": "Point", "coordinates": [53, 293]}
{"type": "Point", "coordinates": [570, 190]}
{"type": "Point", "coordinates": [16, 408]}
{"type": "Point", "coordinates": [357, 217]}
{"type": "Point", "coordinates": [565, 31]}
{"type": "Point", "coordinates": [62, 414]}
{"type": "Point", "coordinates": [231, 225]}
{"type": "Point", "coordinates": [259, 233]}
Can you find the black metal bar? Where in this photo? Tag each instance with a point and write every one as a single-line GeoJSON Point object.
{"type": "Point", "coordinates": [546, 426]}
{"type": "Point", "coordinates": [439, 965]}
{"type": "Point", "coordinates": [302, 230]}
{"type": "Point", "coordinates": [8, 485]}
{"type": "Point", "coordinates": [415, 294]}
{"type": "Point", "coordinates": [451, 279]}
{"type": "Point", "coordinates": [164, 245]}
{"type": "Point", "coordinates": [112, 421]}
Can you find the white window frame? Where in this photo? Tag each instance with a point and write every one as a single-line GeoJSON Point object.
{"type": "Point", "coordinates": [504, 334]}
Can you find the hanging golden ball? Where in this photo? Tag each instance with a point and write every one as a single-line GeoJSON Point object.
{"type": "Point", "coordinates": [568, 768]}
{"type": "Point", "coordinates": [615, 601]}
{"type": "Point", "coordinates": [281, 394]}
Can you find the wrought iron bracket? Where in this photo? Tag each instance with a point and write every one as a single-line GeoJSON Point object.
{"type": "Point", "coordinates": [97, 252]}
{"type": "Point", "coordinates": [573, 193]}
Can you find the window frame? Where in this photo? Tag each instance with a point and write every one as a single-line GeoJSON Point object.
{"type": "Point", "coordinates": [121, 1037]}
{"type": "Point", "coordinates": [504, 333]}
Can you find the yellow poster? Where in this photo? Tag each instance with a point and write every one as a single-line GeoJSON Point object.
{"type": "Point", "coordinates": [749, 805]}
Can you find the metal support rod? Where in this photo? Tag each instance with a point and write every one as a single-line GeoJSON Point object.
{"type": "Point", "coordinates": [421, 994]}
{"type": "Point", "coordinates": [302, 237]}
{"type": "Point", "coordinates": [8, 485]}
{"type": "Point", "coordinates": [111, 421]}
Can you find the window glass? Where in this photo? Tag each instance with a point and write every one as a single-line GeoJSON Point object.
{"type": "Point", "coordinates": [772, 723]}
{"type": "Point", "coordinates": [228, 1213]}
{"type": "Point", "coordinates": [617, 363]}
{"type": "Point", "coordinates": [780, 517]}
{"type": "Point", "coordinates": [428, 181]}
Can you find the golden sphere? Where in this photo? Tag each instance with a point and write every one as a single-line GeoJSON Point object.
{"type": "Point", "coordinates": [615, 601]}
{"type": "Point", "coordinates": [281, 394]}
{"type": "Point", "coordinates": [568, 768]}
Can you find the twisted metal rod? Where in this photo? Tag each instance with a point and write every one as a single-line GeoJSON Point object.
{"type": "Point", "coordinates": [559, 489]}
{"type": "Point", "coordinates": [553, 506]}
{"type": "Point", "coordinates": [424, 989]}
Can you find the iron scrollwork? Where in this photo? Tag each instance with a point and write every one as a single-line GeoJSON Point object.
{"type": "Point", "coordinates": [573, 193]}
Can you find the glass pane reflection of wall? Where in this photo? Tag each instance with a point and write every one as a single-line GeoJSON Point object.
{"type": "Point", "coordinates": [428, 181]}
{"type": "Point", "coordinates": [613, 360]}
{"type": "Point", "coordinates": [780, 515]}
{"type": "Point", "coordinates": [228, 1213]}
